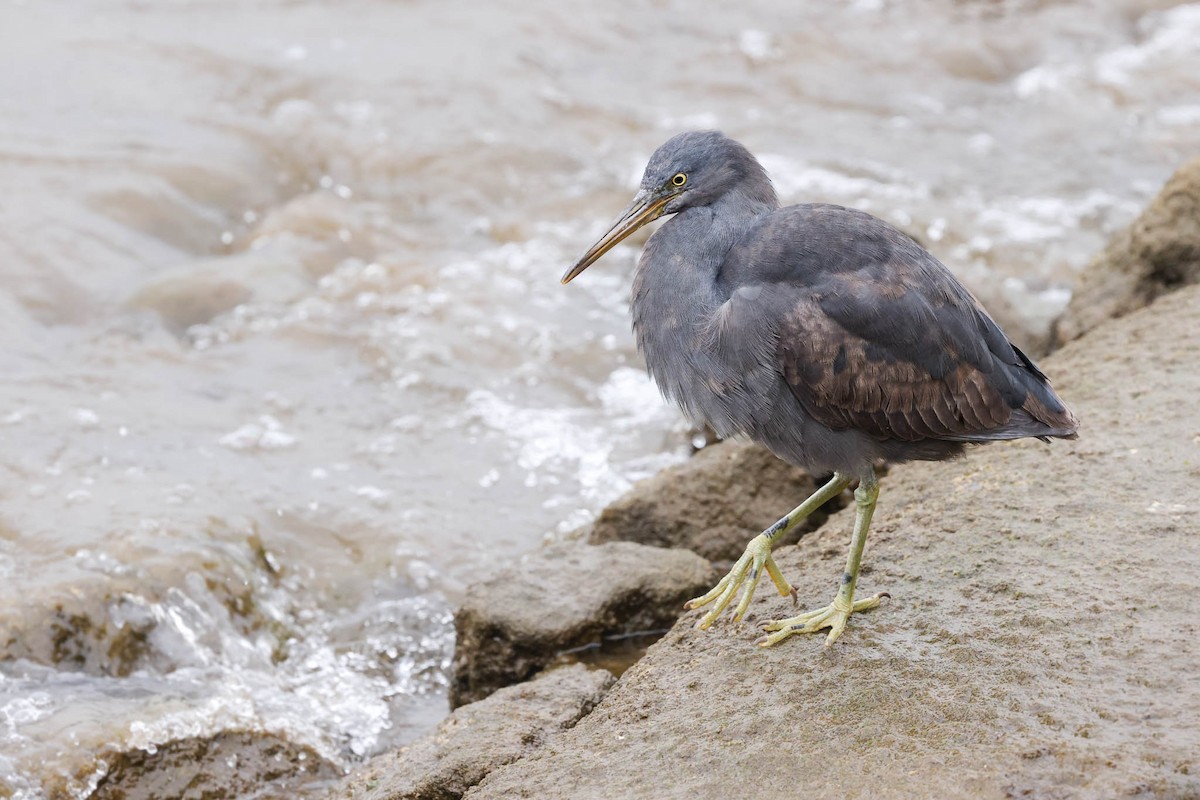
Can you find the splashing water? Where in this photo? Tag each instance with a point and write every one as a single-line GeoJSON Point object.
{"type": "Point", "coordinates": [287, 364]}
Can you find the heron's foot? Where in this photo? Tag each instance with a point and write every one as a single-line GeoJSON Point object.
{"type": "Point", "coordinates": [748, 570]}
{"type": "Point", "coordinates": [833, 616]}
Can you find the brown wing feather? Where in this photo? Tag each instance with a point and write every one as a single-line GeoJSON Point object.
{"type": "Point", "coordinates": [844, 382]}
{"type": "Point", "coordinates": [871, 332]}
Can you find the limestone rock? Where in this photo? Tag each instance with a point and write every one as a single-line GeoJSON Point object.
{"type": "Point", "coordinates": [515, 623]}
{"type": "Point", "coordinates": [480, 737]}
{"type": "Point", "coordinates": [713, 504]}
{"type": "Point", "coordinates": [1159, 252]}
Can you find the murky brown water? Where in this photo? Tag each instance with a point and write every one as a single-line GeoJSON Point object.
{"type": "Point", "coordinates": [286, 362]}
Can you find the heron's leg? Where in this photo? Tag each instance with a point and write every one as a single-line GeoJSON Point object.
{"type": "Point", "coordinates": [758, 558]}
{"type": "Point", "coordinates": [835, 615]}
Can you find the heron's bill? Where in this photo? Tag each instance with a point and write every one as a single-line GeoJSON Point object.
{"type": "Point", "coordinates": [644, 208]}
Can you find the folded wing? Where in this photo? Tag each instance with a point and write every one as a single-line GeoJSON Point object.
{"type": "Point", "coordinates": [879, 337]}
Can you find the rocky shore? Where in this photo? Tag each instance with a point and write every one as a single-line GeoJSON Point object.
{"type": "Point", "coordinates": [1041, 641]}
{"type": "Point", "coordinates": [1042, 638]}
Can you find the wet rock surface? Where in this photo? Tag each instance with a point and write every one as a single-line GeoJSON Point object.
{"type": "Point", "coordinates": [1156, 254]}
{"type": "Point", "coordinates": [230, 765]}
{"type": "Point", "coordinates": [516, 622]}
{"type": "Point", "coordinates": [712, 504]}
{"type": "Point", "coordinates": [1041, 639]}
{"type": "Point", "coordinates": [480, 737]}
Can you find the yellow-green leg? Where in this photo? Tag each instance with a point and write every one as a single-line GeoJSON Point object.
{"type": "Point", "coordinates": [835, 615]}
{"type": "Point", "coordinates": [758, 558]}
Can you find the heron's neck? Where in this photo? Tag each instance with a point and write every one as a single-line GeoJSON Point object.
{"type": "Point", "coordinates": [736, 211]}
{"type": "Point", "coordinates": [676, 293]}
{"type": "Point", "coordinates": [684, 257]}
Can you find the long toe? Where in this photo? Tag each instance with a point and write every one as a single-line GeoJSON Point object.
{"type": "Point", "coordinates": [747, 571]}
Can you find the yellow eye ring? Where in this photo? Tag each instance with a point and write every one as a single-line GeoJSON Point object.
{"type": "Point", "coordinates": [679, 180]}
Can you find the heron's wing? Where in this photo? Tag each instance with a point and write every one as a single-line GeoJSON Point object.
{"type": "Point", "coordinates": [847, 378]}
{"type": "Point", "coordinates": [874, 334]}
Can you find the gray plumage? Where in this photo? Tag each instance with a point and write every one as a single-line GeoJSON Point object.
{"type": "Point", "coordinates": [821, 332]}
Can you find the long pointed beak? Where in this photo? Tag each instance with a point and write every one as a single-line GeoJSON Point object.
{"type": "Point", "coordinates": [646, 207]}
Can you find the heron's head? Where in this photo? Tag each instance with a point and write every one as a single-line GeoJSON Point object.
{"type": "Point", "coordinates": [691, 169]}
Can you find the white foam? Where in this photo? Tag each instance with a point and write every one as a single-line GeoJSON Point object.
{"type": "Point", "coordinates": [794, 179]}
{"type": "Point", "coordinates": [265, 434]}
{"type": "Point", "coordinates": [328, 696]}
{"type": "Point", "coordinates": [757, 45]}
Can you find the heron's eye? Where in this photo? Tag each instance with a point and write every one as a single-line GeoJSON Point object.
{"type": "Point", "coordinates": [679, 180]}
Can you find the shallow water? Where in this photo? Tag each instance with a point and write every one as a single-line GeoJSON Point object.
{"type": "Point", "coordinates": [286, 359]}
